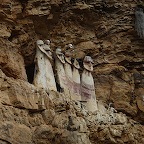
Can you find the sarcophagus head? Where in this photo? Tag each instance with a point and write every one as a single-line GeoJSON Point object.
{"type": "Point", "coordinates": [88, 63]}
{"type": "Point", "coordinates": [60, 55]}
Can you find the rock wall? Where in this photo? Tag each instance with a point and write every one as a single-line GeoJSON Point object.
{"type": "Point", "coordinates": [102, 29]}
{"type": "Point", "coordinates": [31, 116]}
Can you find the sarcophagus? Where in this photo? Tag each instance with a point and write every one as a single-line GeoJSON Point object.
{"type": "Point", "coordinates": [76, 81]}
{"type": "Point", "coordinates": [44, 76]}
{"type": "Point", "coordinates": [60, 72]}
{"type": "Point", "coordinates": [87, 85]}
{"type": "Point", "coordinates": [68, 72]}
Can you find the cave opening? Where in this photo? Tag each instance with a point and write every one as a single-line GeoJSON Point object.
{"type": "Point", "coordinates": [30, 72]}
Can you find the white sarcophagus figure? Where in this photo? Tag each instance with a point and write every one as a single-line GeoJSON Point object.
{"type": "Point", "coordinates": [60, 72]}
{"type": "Point", "coordinates": [68, 71]}
{"type": "Point", "coordinates": [87, 85]}
{"type": "Point", "coordinates": [39, 75]}
{"type": "Point", "coordinates": [44, 77]}
{"type": "Point", "coordinates": [50, 79]}
{"type": "Point", "coordinates": [76, 80]}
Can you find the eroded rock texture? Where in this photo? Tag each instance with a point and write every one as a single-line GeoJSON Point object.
{"type": "Point", "coordinates": [29, 115]}
{"type": "Point", "coordinates": [102, 29]}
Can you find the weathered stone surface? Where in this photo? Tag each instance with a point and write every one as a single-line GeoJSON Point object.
{"type": "Point", "coordinates": [102, 29]}
{"type": "Point", "coordinates": [15, 133]}
{"type": "Point", "coordinates": [11, 62]}
{"type": "Point", "coordinates": [21, 94]}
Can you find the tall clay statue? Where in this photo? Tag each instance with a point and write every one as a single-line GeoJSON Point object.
{"type": "Point", "coordinates": [68, 71]}
{"type": "Point", "coordinates": [76, 80]}
{"type": "Point", "coordinates": [50, 79]}
{"type": "Point", "coordinates": [87, 85]}
{"type": "Point", "coordinates": [60, 72]}
{"type": "Point", "coordinates": [44, 77]}
{"type": "Point", "coordinates": [39, 75]}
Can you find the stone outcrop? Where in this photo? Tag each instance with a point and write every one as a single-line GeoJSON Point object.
{"type": "Point", "coordinates": [11, 61]}
{"type": "Point", "coordinates": [25, 119]}
{"type": "Point", "coordinates": [102, 29]}
{"type": "Point", "coordinates": [33, 117]}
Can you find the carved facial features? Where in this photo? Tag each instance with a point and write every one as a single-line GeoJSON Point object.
{"type": "Point", "coordinates": [40, 42]}
{"type": "Point", "coordinates": [88, 63]}
{"type": "Point", "coordinates": [76, 64]}
{"type": "Point", "coordinates": [70, 46]}
{"type": "Point", "coordinates": [46, 47]}
{"type": "Point", "coordinates": [48, 51]}
{"type": "Point", "coordinates": [68, 57]}
{"type": "Point", "coordinates": [60, 55]}
{"type": "Point", "coordinates": [47, 42]}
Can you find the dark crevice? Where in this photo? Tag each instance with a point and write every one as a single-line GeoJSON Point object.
{"type": "Point", "coordinates": [6, 141]}
{"type": "Point", "coordinates": [23, 3]}
{"type": "Point", "coordinates": [132, 65]}
{"type": "Point", "coordinates": [14, 33]}
{"type": "Point", "coordinates": [30, 72]}
{"type": "Point", "coordinates": [59, 89]}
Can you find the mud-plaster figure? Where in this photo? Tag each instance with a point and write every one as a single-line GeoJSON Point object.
{"type": "Point", "coordinates": [87, 85]}
{"type": "Point", "coordinates": [76, 80]}
{"type": "Point", "coordinates": [40, 73]}
{"type": "Point", "coordinates": [68, 71]}
{"type": "Point", "coordinates": [44, 76]}
{"type": "Point", "coordinates": [50, 79]}
{"type": "Point", "coordinates": [60, 72]}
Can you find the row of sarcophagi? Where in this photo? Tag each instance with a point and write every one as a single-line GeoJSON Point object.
{"type": "Point", "coordinates": [57, 72]}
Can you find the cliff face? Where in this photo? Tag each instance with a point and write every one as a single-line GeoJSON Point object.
{"type": "Point", "coordinates": [102, 29]}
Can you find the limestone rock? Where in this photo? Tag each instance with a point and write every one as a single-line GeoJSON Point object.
{"type": "Point", "coordinates": [101, 29]}
{"type": "Point", "coordinates": [14, 133]}
{"type": "Point", "coordinates": [12, 63]}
